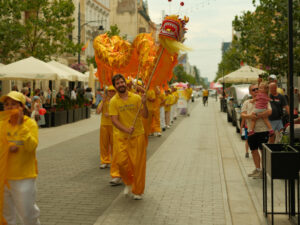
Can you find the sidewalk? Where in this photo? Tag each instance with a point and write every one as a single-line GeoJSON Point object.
{"type": "Point", "coordinates": [184, 182]}
{"type": "Point", "coordinates": [55, 135]}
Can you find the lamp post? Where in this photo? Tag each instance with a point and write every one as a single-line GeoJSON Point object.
{"type": "Point", "coordinates": [291, 94]}
{"type": "Point", "coordinates": [82, 25]}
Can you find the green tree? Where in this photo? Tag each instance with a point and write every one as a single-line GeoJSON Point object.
{"type": "Point", "coordinates": [182, 76]}
{"type": "Point", "coordinates": [43, 33]}
{"type": "Point", "coordinates": [264, 34]}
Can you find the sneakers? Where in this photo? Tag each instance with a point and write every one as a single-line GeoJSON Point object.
{"type": "Point", "coordinates": [163, 129]}
{"type": "Point", "coordinates": [254, 172]}
{"type": "Point", "coordinates": [127, 190]}
{"type": "Point", "coordinates": [103, 166]}
{"type": "Point", "coordinates": [258, 175]}
{"type": "Point", "coordinates": [168, 127]}
{"type": "Point", "coordinates": [116, 181]}
{"type": "Point", "coordinates": [158, 134]}
{"type": "Point", "coordinates": [137, 197]}
{"type": "Point", "coordinates": [247, 155]}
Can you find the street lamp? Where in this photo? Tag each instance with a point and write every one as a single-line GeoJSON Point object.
{"type": "Point", "coordinates": [82, 25]}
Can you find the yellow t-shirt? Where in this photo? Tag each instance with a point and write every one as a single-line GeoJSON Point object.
{"type": "Point", "coordinates": [168, 102]}
{"type": "Point", "coordinates": [176, 96]}
{"type": "Point", "coordinates": [105, 120]}
{"type": "Point", "coordinates": [205, 93]}
{"type": "Point", "coordinates": [22, 164]}
{"type": "Point", "coordinates": [151, 96]}
{"type": "Point", "coordinates": [126, 111]}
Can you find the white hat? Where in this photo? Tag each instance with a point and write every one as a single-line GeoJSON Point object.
{"type": "Point", "coordinates": [273, 77]}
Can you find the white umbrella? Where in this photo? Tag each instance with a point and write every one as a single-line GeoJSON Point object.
{"type": "Point", "coordinates": [245, 74]}
{"type": "Point", "coordinates": [31, 68]}
{"type": "Point", "coordinates": [74, 74]}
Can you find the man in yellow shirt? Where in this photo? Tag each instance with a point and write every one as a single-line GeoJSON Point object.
{"type": "Point", "coordinates": [129, 139]}
{"type": "Point", "coordinates": [175, 100]}
{"type": "Point", "coordinates": [205, 94]}
{"type": "Point", "coordinates": [21, 135]}
{"type": "Point", "coordinates": [188, 95]}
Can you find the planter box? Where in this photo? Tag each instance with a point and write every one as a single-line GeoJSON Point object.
{"type": "Point", "coordinates": [70, 115]}
{"type": "Point", "coordinates": [47, 119]}
{"type": "Point", "coordinates": [83, 113]}
{"type": "Point", "coordinates": [55, 119]}
{"type": "Point", "coordinates": [64, 117]}
{"type": "Point", "coordinates": [88, 112]}
{"type": "Point", "coordinates": [77, 114]}
{"type": "Point", "coordinates": [281, 161]}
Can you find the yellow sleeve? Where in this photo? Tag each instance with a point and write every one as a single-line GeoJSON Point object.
{"type": "Point", "coordinates": [28, 133]}
{"type": "Point", "coordinates": [113, 110]}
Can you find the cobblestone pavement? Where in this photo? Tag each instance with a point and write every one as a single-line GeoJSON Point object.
{"type": "Point", "coordinates": [183, 183]}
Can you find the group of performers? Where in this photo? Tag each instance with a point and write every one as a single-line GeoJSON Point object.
{"type": "Point", "coordinates": [130, 114]}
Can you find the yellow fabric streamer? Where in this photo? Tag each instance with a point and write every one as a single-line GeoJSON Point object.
{"type": "Point", "coordinates": [4, 150]}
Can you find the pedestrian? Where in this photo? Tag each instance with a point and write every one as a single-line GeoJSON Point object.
{"type": "Point", "coordinates": [73, 94]}
{"type": "Point", "coordinates": [162, 110]}
{"type": "Point", "coordinates": [21, 134]}
{"type": "Point", "coordinates": [244, 134]}
{"type": "Point", "coordinates": [99, 96]}
{"type": "Point", "coordinates": [278, 103]}
{"type": "Point", "coordinates": [130, 139]}
{"type": "Point", "coordinates": [296, 102]}
{"type": "Point", "coordinates": [35, 114]}
{"type": "Point", "coordinates": [205, 95]}
{"type": "Point", "coordinates": [261, 132]}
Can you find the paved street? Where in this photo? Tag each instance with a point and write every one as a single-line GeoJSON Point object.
{"type": "Point", "coordinates": [196, 174]}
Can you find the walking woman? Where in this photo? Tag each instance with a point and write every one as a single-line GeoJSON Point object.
{"type": "Point", "coordinates": [20, 133]}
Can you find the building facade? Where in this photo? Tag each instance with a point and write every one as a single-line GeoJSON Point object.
{"type": "Point", "coordinates": [131, 17]}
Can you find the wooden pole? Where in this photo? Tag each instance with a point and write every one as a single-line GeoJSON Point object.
{"type": "Point", "coordinates": [148, 84]}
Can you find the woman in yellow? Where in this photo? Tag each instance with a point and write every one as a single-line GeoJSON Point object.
{"type": "Point", "coordinates": [21, 172]}
{"type": "Point", "coordinates": [106, 138]}
{"type": "Point", "coordinates": [155, 125]}
{"type": "Point", "coordinates": [168, 104]}
{"type": "Point", "coordinates": [147, 121]}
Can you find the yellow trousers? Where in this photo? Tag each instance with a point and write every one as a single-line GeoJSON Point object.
{"type": "Point", "coordinates": [147, 125]}
{"type": "Point", "coordinates": [155, 125]}
{"type": "Point", "coordinates": [106, 143]}
{"type": "Point", "coordinates": [114, 169]}
{"type": "Point", "coordinates": [131, 160]}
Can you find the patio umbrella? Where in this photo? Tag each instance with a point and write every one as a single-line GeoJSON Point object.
{"type": "Point", "coordinates": [31, 68]}
{"type": "Point", "coordinates": [73, 74]}
{"type": "Point", "coordinates": [245, 74]}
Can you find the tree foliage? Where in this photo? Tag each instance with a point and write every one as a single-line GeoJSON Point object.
{"type": "Point", "coordinates": [38, 28]}
{"type": "Point", "coordinates": [263, 40]}
{"type": "Point", "coordinates": [182, 76]}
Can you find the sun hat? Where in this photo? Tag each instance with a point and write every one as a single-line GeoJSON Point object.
{"type": "Point", "coordinates": [17, 96]}
{"type": "Point", "coordinates": [111, 88]}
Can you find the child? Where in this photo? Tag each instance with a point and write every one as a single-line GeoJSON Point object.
{"type": "Point", "coordinates": [36, 106]}
{"type": "Point", "coordinates": [261, 105]}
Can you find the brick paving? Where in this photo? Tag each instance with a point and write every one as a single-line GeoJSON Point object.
{"type": "Point", "coordinates": [183, 183]}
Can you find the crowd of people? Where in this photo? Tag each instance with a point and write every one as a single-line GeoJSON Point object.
{"type": "Point", "coordinates": [129, 115]}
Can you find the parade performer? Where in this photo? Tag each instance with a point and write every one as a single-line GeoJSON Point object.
{"type": "Point", "coordinates": [19, 140]}
{"type": "Point", "coordinates": [168, 104]}
{"type": "Point", "coordinates": [155, 124]}
{"type": "Point", "coordinates": [162, 110]}
{"type": "Point", "coordinates": [176, 97]}
{"type": "Point", "coordinates": [130, 139]}
{"type": "Point", "coordinates": [150, 106]}
{"type": "Point", "coordinates": [188, 94]}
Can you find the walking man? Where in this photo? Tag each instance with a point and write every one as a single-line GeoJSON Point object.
{"type": "Point", "coordinates": [130, 139]}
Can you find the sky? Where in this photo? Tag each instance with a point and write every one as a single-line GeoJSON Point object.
{"type": "Point", "coordinates": [210, 24]}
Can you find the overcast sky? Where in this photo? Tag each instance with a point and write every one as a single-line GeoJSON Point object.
{"type": "Point", "coordinates": [210, 24]}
